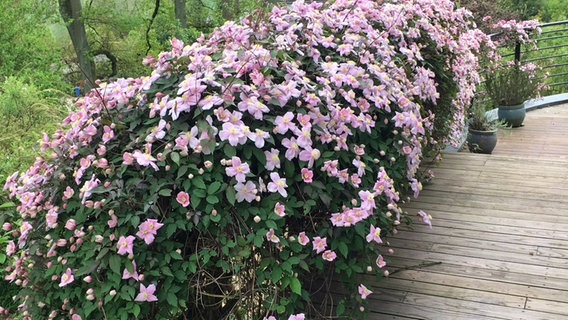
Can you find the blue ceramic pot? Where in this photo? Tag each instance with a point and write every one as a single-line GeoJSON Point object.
{"type": "Point", "coordinates": [512, 115]}
{"type": "Point", "coordinates": [481, 141]}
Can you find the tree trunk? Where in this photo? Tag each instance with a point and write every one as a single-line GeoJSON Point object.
{"type": "Point", "coordinates": [70, 11]}
{"type": "Point", "coordinates": [181, 15]}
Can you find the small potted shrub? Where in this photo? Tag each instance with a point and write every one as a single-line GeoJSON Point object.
{"type": "Point", "coordinates": [482, 131]}
{"type": "Point", "coordinates": [509, 87]}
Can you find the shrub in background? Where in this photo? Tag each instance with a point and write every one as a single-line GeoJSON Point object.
{"type": "Point", "coordinates": [248, 165]}
{"type": "Point", "coordinates": [25, 112]}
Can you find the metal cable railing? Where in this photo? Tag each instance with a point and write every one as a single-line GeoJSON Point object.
{"type": "Point", "coordinates": [552, 55]}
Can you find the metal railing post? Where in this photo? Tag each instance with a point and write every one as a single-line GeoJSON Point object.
{"type": "Point", "coordinates": [517, 52]}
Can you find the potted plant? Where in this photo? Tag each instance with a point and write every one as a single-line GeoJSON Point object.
{"type": "Point", "coordinates": [482, 131]}
{"type": "Point", "coordinates": [509, 86]}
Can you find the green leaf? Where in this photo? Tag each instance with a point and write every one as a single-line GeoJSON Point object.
{"type": "Point", "coordinates": [340, 308]}
{"type": "Point", "coordinates": [212, 200]}
{"type": "Point", "coordinates": [167, 271]}
{"type": "Point", "coordinates": [135, 309]}
{"type": "Point", "coordinates": [343, 249]}
{"type": "Point", "coordinates": [271, 224]}
{"type": "Point", "coordinates": [289, 168]}
{"type": "Point", "coordinates": [165, 192]}
{"type": "Point", "coordinates": [276, 274]}
{"type": "Point", "coordinates": [258, 240]}
{"type": "Point", "coordinates": [215, 218]}
{"type": "Point", "coordinates": [172, 299]}
{"type": "Point", "coordinates": [175, 157]}
{"type": "Point", "coordinates": [296, 286]}
{"type": "Point", "coordinates": [176, 255]}
{"type": "Point", "coordinates": [9, 204]}
{"type": "Point", "coordinates": [182, 171]}
{"type": "Point", "coordinates": [170, 230]}
{"type": "Point", "coordinates": [230, 193]}
{"type": "Point", "coordinates": [198, 182]}
{"type": "Point", "coordinates": [214, 187]}
{"type": "Point", "coordinates": [229, 150]}
{"type": "Point", "coordinates": [198, 193]}
{"type": "Point", "coordinates": [114, 263]}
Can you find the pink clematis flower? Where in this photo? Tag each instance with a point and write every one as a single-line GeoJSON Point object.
{"type": "Point", "coordinates": [380, 261]}
{"type": "Point", "coordinates": [70, 224]}
{"type": "Point", "coordinates": [364, 292]}
{"type": "Point", "coordinates": [374, 235]}
{"type": "Point", "coordinates": [245, 192]}
{"type": "Point", "coordinates": [307, 175]}
{"type": "Point", "coordinates": [426, 218]}
{"type": "Point", "coordinates": [66, 278]}
{"type": "Point", "coordinates": [128, 275]}
{"type": "Point", "coordinates": [146, 293]}
{"type": "Point", "coordinates": [270, 236]}
{"type": "Point", "coordinates": [329, 255]}
{"type": "Point", "coordinates": [279, 209]}
{"type": "Point", "coordinates": [10, 248]}
{"type": "Point", "coordinates": [237, 169]}
{"type": "Point", "coordinates": [272, 159]}
{"type": "Point", "coordinates": [108, 134]}
{"type": "Point", "coordinates": [278, 184]}
{"type": "Point", "coordinates": [148, 229]}
{"type": "Point", "coordinates": [299, 316]}
{"type": "Point", "coordinates": [368, 199]}
{"type": "Point", "coordinates": [319, 244]}
{"type": "Point", "coordinates": [284, 123]}
{"type": "Point", "coordinates": [125, 245]}
{"type": "Point", "coordinates": [183, 198]}
{"type": "Point", "coordinates": [145, 159]}
{"type": "Point", "coordinates": [303, 239]}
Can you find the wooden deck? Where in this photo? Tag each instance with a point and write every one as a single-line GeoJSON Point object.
{"type": "Point", "coordinates": [500, 233]}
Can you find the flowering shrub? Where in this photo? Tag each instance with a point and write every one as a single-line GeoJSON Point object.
{"type": "Point", "coordinates": [249, 167]}
{"type": "Point", "coordinates": [509, 32]}
{"type": "Point", "coordinates": [511, 82]}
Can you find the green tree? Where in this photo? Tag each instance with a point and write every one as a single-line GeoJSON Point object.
{"type": "Point", "coordinates": [71, 12]}
{"type": "Point", "coordinates": [27, 47]}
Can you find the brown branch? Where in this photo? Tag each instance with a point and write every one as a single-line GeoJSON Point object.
{"type": "Point", "coordinates": [154, 14]}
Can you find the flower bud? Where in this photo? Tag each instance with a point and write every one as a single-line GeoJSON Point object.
{"type": "Point", "coordinates": [256, 219]}
{"type": "Point", "coordinates": [7, 226]}
{"type": "Point", "coordinates": [369, 269]}
{"type": "Point", "coordinates": [112, 293]}
{"type": "Point", "coordinates": [88, 279]}
{"type": "Point", "coordinates": [386, 273]}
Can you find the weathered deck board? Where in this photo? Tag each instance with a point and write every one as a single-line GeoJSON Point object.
{"type": "Point", "coordinates": [500, 231]}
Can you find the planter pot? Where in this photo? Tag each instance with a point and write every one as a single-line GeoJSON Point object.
{"type": "Point", "coordinates": [512, 115]}
{"type": "Point", "coordinates": [481, 141]}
